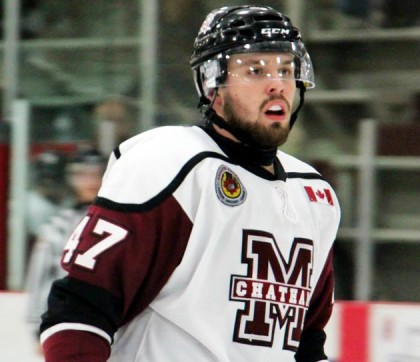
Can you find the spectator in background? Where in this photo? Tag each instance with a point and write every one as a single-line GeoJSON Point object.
{"type": "Point", "coordinates": [46, 195]}
{"type": "Point", "coordinates": [113, 124]}
{"type": "Point", "coordinates": [84, 174]}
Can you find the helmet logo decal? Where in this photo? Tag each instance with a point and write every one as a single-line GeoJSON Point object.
{"type": "Point", "coordinates": [229, 188]}
{"type": "Point", "coordinates": [274, 31]}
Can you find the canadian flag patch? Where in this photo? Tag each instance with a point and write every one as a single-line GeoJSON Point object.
{"type": "Point", "coordinates": [322, 196]}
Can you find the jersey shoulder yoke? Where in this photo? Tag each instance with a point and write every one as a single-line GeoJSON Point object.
{"type": "Point", "coordinates": [145, 165]}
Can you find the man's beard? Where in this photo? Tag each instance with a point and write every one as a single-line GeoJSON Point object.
{"type": "Point", "coordinates": [261, 136]}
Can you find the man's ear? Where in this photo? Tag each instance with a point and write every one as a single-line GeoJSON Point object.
{"type": "Point", "coordinates": [218, 100]}
{"type": "Point", "coordinates": [210, 94]}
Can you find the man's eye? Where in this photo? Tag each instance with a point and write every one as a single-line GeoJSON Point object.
{"type": "Point", "coordinates": [285, 72]}
{"type": "Point", "coordinates": [254, 71]}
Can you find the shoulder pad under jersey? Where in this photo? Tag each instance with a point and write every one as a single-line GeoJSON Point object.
{"type": "Point", "coordinates": [146, 164]}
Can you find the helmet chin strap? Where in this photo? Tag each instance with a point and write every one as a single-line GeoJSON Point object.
{"type": "Point", "coordinates": [302, 90]}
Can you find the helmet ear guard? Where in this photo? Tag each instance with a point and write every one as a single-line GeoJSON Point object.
{"type": "Point", "coordinates": [211, 71]}
{"type": "Point", "coordinates": [208, 76]}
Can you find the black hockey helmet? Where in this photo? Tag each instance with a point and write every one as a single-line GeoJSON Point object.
{"type": "Point", "coordinates": [85, 157]}
{"type": "Point", "coordinates": [246, 29]}
{"type": "Point", "coordinates": [49, 167]}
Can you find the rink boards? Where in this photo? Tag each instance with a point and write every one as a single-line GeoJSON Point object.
{"type": "Point", "coordinates": [362, 332]}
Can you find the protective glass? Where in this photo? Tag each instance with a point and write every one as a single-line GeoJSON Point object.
{"type": "Point", "coordinates": [282, 60]}
{"type": "Point", "coordinates": [256, 67]}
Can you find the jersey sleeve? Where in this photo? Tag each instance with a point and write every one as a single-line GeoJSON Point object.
{"type": "Point", "coordinates": [117, 261]}
{"type": "Point", "coordinates": [326, 215]}
{"type": "Point", "coordinates": [127, 245]}
{"type": "Point", "coordinates": [311, 346]}
{"type": "Point", "coordinates": [70, 346]}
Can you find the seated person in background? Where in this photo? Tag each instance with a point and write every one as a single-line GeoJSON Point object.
{"type": "Point", "coordinates": [84, 175]}
{"type": "Point", "coordinates": [47, 192]}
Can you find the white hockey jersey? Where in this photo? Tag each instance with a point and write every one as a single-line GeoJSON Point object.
{"type": "Point", "coordinates": [190, 256]}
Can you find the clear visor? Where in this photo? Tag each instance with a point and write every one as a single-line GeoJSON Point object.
{"type": "Point", "coordinates": [283, 61]}
{"type": "Point", "coordinates": [256, 67]}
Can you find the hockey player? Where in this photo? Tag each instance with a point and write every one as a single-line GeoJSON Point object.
{"type": "Point", "coordinates": [207, 243]}
{"type": "Point", "coordinates": [83, 174]}
{"type": "Point", "coordinates": [47, 192]}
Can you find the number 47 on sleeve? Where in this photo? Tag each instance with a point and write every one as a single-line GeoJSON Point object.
{"type": "Point", "coordinates": [115, 234]}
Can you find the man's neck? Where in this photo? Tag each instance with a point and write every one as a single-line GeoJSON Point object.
{"type": "Point", "coordinates": [223, 132]}
{"type": "Point", "coordinates": [249, 157]}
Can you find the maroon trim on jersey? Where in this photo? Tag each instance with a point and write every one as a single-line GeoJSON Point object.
{"type": "Point", "coordinates": [138, 267]}
{"type": "Point", "coordinates": [125, 277]}
{"type": "Point", "coordinates": [311, 345]}
{"type": "Point", "coordinates": [71, 346]}
{"type": "Point", "coordinates": [321, 305]}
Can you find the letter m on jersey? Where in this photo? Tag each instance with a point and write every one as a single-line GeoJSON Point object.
{"type": "Point", "coordinates": [275, 291]}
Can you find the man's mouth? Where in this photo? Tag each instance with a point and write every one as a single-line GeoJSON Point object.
{"type": "Point", "coordinates": [275, 110]}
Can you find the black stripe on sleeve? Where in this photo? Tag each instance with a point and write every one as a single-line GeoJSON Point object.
{"type": "Point", "coordinates": [305, 175]}
{"type": "Point", "coordinates": [75, 301]}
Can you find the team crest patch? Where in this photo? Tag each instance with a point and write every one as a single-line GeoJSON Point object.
{"type": "Point", "coordinates": [229, 188]}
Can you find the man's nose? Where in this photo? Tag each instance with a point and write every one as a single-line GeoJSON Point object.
{"type": "Point", "coordinates": [275, 86]}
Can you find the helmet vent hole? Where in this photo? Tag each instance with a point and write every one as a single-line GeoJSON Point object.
{"type": "Point", "coordinates": [246, 32]}
{"type": "Point", "coordinates": [237, 22]}
{"type": "Point", "coordinates": [230, 33]}
{"type": "Point", "coordinates": [268, 17]}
